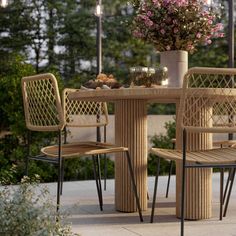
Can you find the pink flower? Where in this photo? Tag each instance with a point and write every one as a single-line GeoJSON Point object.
{"type": "Point", "coordinates": [168, 48]}
{"type": "Point", "coordinates": [168, 19]}
{"type": "Point", "coordinates": [190, 47]}
{"type": "Point", "coordinates": [148, 23]}
{"type": "Point", "coordinates": [175, 22]}
{"type": "Point", "coordinates": [162, 31]}
{"type": "Point", "coordinates": [138, 34]}
{"type": "Point", "coordinates": [156, 3]}
{"type": "Point", "coordinates": [219, 26]}
{"type": "Point", "coordinates": [149, 14]}
{"type": "Point", "coordinates": [198, 35]}
{"type": "Point", "coordinates": [210, 22]}
{"type": "Point", "coordinates": [208, 41]}
{"type": "Point", "coordinates": [176, 30]}
{"type": "Point", "coordinates": [221, 35]}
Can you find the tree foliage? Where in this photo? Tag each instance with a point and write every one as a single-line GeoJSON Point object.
{"type": "Point", "coordinates": [60, 37]}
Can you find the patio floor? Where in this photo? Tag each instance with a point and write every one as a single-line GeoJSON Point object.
{"type": "Point", "coordinates": [80, 200]}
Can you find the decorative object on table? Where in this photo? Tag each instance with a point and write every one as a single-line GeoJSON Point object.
{"type": "Point", "coordinates": [176, 25]}
{"type": "Point", "coordinates": [148, 76]}
{"type": "Point", "coordinates": [177, 63]}
{"type": "Point", "coordinates": [103, 81]}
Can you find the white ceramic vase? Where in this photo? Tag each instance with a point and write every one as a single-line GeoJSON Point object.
{"type": "Point", "coordinates": [177, 63]}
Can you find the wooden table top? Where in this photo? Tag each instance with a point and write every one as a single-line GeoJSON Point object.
{"type": "Point", "coordinates": [159, 94]}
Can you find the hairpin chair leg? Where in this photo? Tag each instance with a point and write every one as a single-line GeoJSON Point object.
{"type": "Point", "coordinates": [230, 189]}
{"type": "Point", "coordinates": [168, 182]}
{"type": "Point", "coordinates": [230, 175]}
{"type": "Point", "coordinates": [105, 172]}
{"type": "Point", "coordinates": [62, 173]}
{"type": "Point", "coordinates": [155, 190]}
{"type": "Point", "coordinates": [28, 153]}
{"type": "Point", "coordinates": [134, 186]}
{"type": "Point", "coordinates": [170, 172]}
{"type": "Point", "coordinates": [98, 185]}
{"type": "Point", "coordinates": [183, 184]}
{"type": "Point", "coordinates": [63, 160]}
{"type": "Point", "coordinates": [105, 160]}
{"type": "Point", "coordinates": [59, 171]}
{"type": "Point", "coordinates": [99, 176]}
{"type": "Point", "coordinates": [221, 191]}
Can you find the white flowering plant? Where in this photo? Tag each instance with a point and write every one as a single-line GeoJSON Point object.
{"type": "Point", "coordinates": [27, 209]}
{"type": "Point", "coordinates": [176, 24]}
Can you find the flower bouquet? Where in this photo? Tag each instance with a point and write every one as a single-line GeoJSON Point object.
{"type": "Point", "coordinates": [176, 24]}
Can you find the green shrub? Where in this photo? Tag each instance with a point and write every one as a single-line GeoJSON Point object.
{"type": "Point", "coordinates": [27, 210]}
{"type": "Point", "coordinates": [162, 141]}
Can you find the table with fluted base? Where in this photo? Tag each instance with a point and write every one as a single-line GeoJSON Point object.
{"type": "Point", "coordinates": [131, 131]}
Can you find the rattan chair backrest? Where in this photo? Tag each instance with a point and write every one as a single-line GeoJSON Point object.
{"type": "Point", "coordinates": [42, 103]}
{"type": "Point", "coordinates": [83, 113]}
{"type": "Point", "coordinates": [208, 101]}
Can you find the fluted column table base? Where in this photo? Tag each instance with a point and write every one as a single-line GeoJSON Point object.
{"type": "Point", "coordinates": [131, 132]}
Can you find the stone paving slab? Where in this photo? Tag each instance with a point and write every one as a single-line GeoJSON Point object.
{"type": "Point", "coordinates": [80, 200]}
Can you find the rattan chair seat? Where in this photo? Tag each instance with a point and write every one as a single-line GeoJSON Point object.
{"type": "Point", "coordinates": [82, 149]}
{"type": "Point", "coordinates": [212, 156]}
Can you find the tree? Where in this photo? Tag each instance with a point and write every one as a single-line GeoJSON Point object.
{"type": "Point", "coordinates": [14, 22]}
{"type": "Point", "coordinates": [76, 39]}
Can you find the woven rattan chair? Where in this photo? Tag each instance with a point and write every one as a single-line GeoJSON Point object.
{"type": "Point", "coordinates": [43, 112]}
{"type": "Point", "coordinates": [207, 105]}
{"type": "Point", "coordinates": [83, 114]}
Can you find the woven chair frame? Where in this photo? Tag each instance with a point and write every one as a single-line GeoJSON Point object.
{"type": "Point", "coordinates": [83, 113]}
{"type": "Point", "coordinates": [42, 103]}
{"type": "Point", "coordinates": [212, 90]}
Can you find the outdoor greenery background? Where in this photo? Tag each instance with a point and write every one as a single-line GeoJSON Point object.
{"type": "Point", "coordinates": [60, 37]}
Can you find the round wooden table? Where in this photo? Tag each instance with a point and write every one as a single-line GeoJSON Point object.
{"type": "Point", "coordinates": [131, 131]}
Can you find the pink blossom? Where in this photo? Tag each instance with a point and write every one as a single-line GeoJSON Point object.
{"type": "Point", "coordinates": [190, 47]}
{"type": "Point", "coordinates": [175, 22]}
{"type": "Point", "coordinates": [149, 13]}
{"type": "Point", "coordinates": [156, 3]}
{"type": "Point", "coordinates": [148, 22]}
{"type": "Point", "coordinates": [210, 22]}
{"type": "Point", "coordinates": [208, 41]}
{"type": "Point", "coordinates": [176, 30]}
{"type": "Point", "coordinates": [198, 35]}
{"type": "Point", "coordinates": [162, 31]}
{"type": "Point", "coordinates": [138, 34]}
{"type": "Point", "coordinates": [168, 48]}
{"type": "Point", "coordinates": [168, 19]}
{"type": "Point", "coordinates": [219, 26]}
{"type": "Point", "coordinates": [221, 35]}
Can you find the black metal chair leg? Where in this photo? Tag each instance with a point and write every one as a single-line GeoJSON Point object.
{"type": "Point", "coordinates": [105, 172]}
{"type": "Point", "coordinates": [99, 177]}
{"type": "Point", "coordinates": [231, 170]}
{"type": "Point", "coordinates": [183, 184]}
{"type": "Point", "coordinates": [168, 182]}
{"type": "Point", "coordinates": [62, 174]}
{"type": "Point", "coordinates": [59, 171]}
{"type": "Point", "coordinates": [105, 159]}
{"type": "Point", "coordinates": [134, 186]}
{"type": "Point", "coordinates": [155, 190]}
{"type": "Point", "coordinates": [97, 184]}
{"type": "Point", "coordinates": [58, 186]}
{"type": "Point", "coordinates": [28, 153]}
{"type": "Point", "coordinates": [227, 185]}
{"type": "Point", "coordinates": [221, 191]}
{"type": "Point", "coordinates": [229, 193]}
